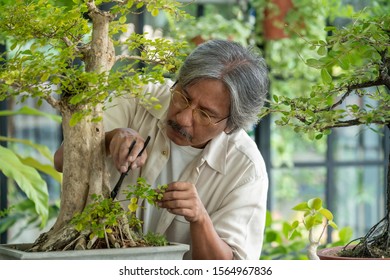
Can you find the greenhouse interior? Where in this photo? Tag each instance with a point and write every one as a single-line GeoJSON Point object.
{"type": "Point", "coordinates": [323, 131]}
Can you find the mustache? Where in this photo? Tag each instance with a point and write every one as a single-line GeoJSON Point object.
{"type": "Point", "coordinates": [178, 128]}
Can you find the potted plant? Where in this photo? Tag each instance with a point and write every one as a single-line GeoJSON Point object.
{"type": "Point", "coordinates": [353, 61]}
{"type": "Point", "coordinates": [56, 36]}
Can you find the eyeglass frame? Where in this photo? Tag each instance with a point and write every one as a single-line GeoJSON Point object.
{"type": "Point", "coordinates": [173, 91]}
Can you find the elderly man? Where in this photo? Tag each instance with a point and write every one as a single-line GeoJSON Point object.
{"type": "Point", "coordinates": [216, 176]}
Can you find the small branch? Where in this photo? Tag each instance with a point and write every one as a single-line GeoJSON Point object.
{"type": "Point", "coordinates": [106, 238]}
{"type": "Point", "coordinates": [92, 6]}
{"type": "Point", "coordinates": [135, 57]}
{"type": "Point", "coordinates": [338, 103]}
{"type": "Point", "coordinates": [53, 102]}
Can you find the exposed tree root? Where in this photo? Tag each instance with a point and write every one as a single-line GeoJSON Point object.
{"type": "Point", "coordinates": [376, 243]}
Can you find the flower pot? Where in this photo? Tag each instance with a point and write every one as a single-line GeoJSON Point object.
{"type": "Point", "coordinates": [332, 254]}
{"type": "Point", "coordinates": [175, 251]}
{"type": "Point", "coordinates": [274, 19]}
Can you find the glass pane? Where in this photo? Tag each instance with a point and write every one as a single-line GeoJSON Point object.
{"type": "Point", "coordinates": [292, 186]}
{"type": "Point", "coordinates": [359, 198]}
{"type": "Point", "coordinates": [289, 147]}
{"type": "Point", "coordinates": [357, 144]}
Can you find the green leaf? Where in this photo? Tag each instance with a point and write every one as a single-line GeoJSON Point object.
{"type": "Point", "coordinates": [326, 77]}
{"type": "Point", "coordinates": [45, 77]}
{"type": "Point", "coordinates": [309, 222]}
{"type": "Point", "coordinates": [268, 219]}
{"type": "Point", "coordinates": [301, 207]}
{"type": "Point", "coordinates": [322, 50]}
{"type": "Point", "coordinates": [333, 224]}
{"type": "Point", "coordinates": [25, 110]}
{"type": "Point", "coordinates": [155, 12]}
{"type": "Point", "coordinates": [315, 63]}
{"type": "Point", "coordinates": [327, 214]}
{"type": "Point", "coordinates": [122, 19]}
{"type": "Point", "coordinates": [295, 224]}
{"type": "Point", "coordinates": [315, 203]}
{"type": "Point", "coordinates": [319, 136]}
{"type": "Point", "coordinates": [42, 149]}
{"type": "Point", "coordinates": [346, 234]}
{"type": "Point", "coordinates": [28, 179]}
{"type": "Point", "coordinates": [45, 168]}
{"type": "Point", "coordinates": [130, 4]}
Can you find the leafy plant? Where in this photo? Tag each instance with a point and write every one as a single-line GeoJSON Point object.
{"type": "Point", "coordinates": [353, 64]}
{"type": "Point", "coordinates": [27, 172]}
{"type": "Point", "coordinates": [286, 241]}
{"type": "Point", "coordinates": [214, 26]}
{"type": "Point", "coordinates": [315, 217]}
{"type": "Point", "coordinates": [278, 245]}
{"type": "Point", "coordinates": [104, 223]}
{"type": "Point", "coordinates": [45, 40]}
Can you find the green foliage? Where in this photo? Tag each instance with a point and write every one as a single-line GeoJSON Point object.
{"type": "Point", "coordinates": [28, 179]}
{"type": "Point", "coordinates": [314, 215]}
{"type": "Point", "coordinates": [284, 242]}
{"type": "Point", "coordinates": [135, 194]}
{"type": "Point", "coordinates": [24, 213]}
{"type": "Point", "coordinates": [214, 26]}
{"type": "Point", "coordinates": [278, 245]}
{"type": "Point", "coordinates": [155, 239]}
{"type": "Point", "coordinates": [26, 171]}
{"type": "Point", "coordinates": [142, 190]}
{"type": "Point", "coordinates": [348, 61]}
{"type": "Point", "coordinates": [44, 37]}
{"type": "Point", "coordinates": [25, 110]}
{"type": "Point", "coordinates": [101, 216]}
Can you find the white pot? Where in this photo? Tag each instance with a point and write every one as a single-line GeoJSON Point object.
{"type": "Point", "coordinates": [175, 251]}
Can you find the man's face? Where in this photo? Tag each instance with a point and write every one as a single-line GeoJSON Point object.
{"type": "Point", "coordinates": [205, 97]}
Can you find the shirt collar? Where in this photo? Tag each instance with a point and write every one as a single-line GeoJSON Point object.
{"type": "Point", "coordinates": [215, 152]}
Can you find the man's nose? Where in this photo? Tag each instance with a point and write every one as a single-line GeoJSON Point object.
{"type": "Point", "coordinates": [185, 117]}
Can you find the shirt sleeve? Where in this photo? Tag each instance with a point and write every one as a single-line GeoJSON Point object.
{"type": "Point", "coordinates": [240, 218]}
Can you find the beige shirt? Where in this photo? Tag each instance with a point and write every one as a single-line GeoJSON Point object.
{"type": "Point", "coordinates": [229, 174]}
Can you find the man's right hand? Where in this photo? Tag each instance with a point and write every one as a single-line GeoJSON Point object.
{"type": "Point", "coordinates": [118, 142]}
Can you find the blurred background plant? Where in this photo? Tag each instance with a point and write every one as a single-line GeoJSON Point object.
{"type": "Point", "coordinates": [345, 168]}
{"type": "Point", "coordinates": [28, 166]}
{"type": "Point", "coordinates": [283, 241]}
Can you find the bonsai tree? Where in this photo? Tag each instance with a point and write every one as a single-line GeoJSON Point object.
{"type": "Point", "coordinates": [66, 55]}
{"type": "Point", "coordinates": [353, 60]}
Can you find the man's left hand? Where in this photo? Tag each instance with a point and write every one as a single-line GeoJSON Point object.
{"type": "Point", "coordinates": [181, 198]}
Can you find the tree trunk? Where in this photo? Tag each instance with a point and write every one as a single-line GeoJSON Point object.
{"type": "Point", "coordinates": [84, 165]}
{"type": "Point", "coordinates": [84, 170]}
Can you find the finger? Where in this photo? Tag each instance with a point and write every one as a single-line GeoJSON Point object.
{"type": "Point", "coordinates": [176, 204]}
{"type": "Point", "coordinates": [180, 190]}
{"type": "Point", "coordinates": [123, 153]}
{"type": "Point", "coordinates": [114, 151]}
{"type": "Point", "coordinates": [179, 186]}
{"type": "Point", "coordinates": [132, 156]}
{"type": "Point", "coordinates": [140, 161]}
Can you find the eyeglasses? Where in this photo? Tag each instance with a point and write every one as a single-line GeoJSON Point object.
{"type": "Point", "coordinates": [181, 102]}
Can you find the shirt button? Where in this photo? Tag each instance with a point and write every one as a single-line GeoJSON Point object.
{"type": "Point", "coordinates": [164, 153]}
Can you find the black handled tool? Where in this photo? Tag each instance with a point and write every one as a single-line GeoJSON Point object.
{"type": "Point", "coordinates": [115, 191]}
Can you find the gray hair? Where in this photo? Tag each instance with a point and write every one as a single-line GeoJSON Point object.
{"type": "Point", "coordinates": [243, 71]}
